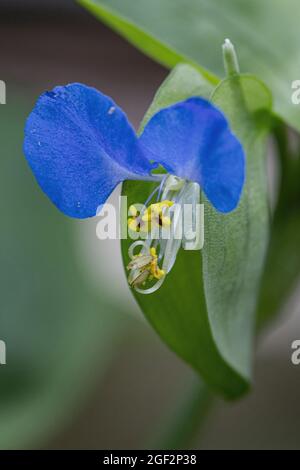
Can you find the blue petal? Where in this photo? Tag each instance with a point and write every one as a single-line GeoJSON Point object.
{"type": "Point", "coordinates": [192, 140]}
{"type": "Point", "coordinates": [79, 145]}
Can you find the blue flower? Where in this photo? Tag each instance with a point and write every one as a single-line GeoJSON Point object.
{"type": "Point", "coordinates": [80, 146]}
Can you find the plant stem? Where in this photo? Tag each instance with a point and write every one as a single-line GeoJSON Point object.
{"type": "Point", "coordinates": [183, 426]}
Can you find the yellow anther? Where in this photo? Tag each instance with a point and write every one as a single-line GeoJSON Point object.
{"type": "Point", "coordinates": [154, 209]}
{"type": "Point", "coordinates": [153, 252]}
{"type": "Point", "coordinates": [144, 268]}
{"type": "Point", "coordinates": [146, 217]}
{"type": "Point", "coordinates": [151, 218]}
{"type": "Point", "coordinates": [159, 273]}
{"type": "Point", "coordinates": [167, 203]}
{"type": "Point", "coordinates": [133, 211]}
{"type": "Point", "coordinates": [154, 214]}
{"type": "Point", "coordinates": [135, 222]}
{"type": "Point", "coordinates": [155, 270]}
{"type": "Point", "coordinates": [133, 225]}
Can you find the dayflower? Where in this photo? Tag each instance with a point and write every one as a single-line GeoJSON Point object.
{"type": "Point", "coordinates": [80, 146]}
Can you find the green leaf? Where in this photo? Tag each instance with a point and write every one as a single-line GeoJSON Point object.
{"type": "Point", "coordinates": [205, 309]}
{"type": "Point", "coordinates": [162, 53]}
{"type": "Point", "coordinates": [171, 30]}
{"type": "Point", "coordinates": [57, 332]}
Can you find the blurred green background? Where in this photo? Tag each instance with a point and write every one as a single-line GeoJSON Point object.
{"type": "Point", "coordinates": [83, 369]}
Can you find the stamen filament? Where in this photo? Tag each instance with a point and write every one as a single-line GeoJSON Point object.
{"type": "Point", "coordinates": [157, 249]}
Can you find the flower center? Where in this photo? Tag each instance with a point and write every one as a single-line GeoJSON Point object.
{"type": "Point", "coordinates": [160, 223]}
